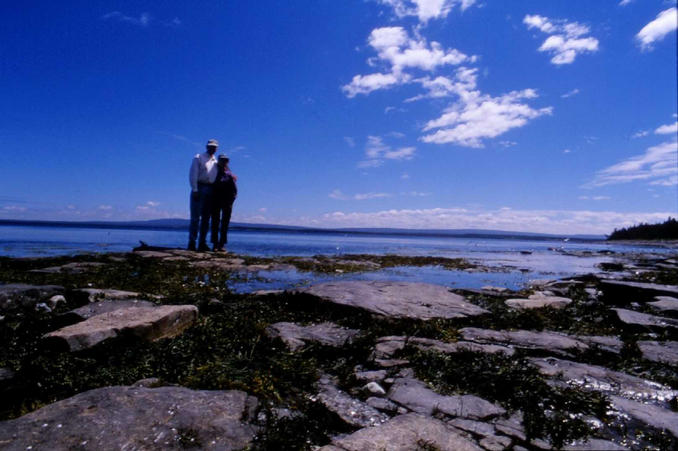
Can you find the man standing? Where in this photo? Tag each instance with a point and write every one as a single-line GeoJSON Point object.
{"type": "Point", "coordinates": [201, 177]}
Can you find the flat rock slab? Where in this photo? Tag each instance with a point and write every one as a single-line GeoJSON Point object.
{"type": "Point", "coordinates": [620, 290]}
{"type": "Point", "coordinates": [647, 413]}
{"type": "Point", "coordinates": [13, 295]}
{"type": "Point", "coordinates": [604, 342]}
{"type": "Point", "coordinates": [136, 418]}
{"type": "Point", "coordinates": [397, 299]}
{"type": "Point", "coordinates": [70, 268]}
{"type": "Point", "coordinates": [416, 396]}
{"type": "Point", "coordinates": [405, 433]}
{"type": "Point", "coordinates": [98, 308]}
{"type": "Point", "coordinates": [296, 336]}
{"type": "Point", "coordinates": [148, 323]}
{"type": "Point", "coordinates": [101, 294]}
{"type": "Point", "coordinates": [598, 378]}
{"type": "Point", "coordinates": [547, 341]}
{"type": "Point", "coordinates": [351, 410]}
{"type": "Point", "coordinates": [664, 352]}
{"type": "Point", "coordinates": [665, 304]}
{"type": "Point", "coordinates": [634, 318]}
{"type": "Point", "coordinates": [386, 347]}
{"type": "Point", "coordinates": [539, 301]}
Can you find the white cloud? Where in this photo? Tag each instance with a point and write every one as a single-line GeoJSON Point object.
{"type": "Point", "coordinates": [665, 23]}
{"type": "Point", "coordinates": [508, 143]}
{"type": "Point", "coordinates": [476, 116]}
{"type": "Point", "coordinates": [105, 207]}
{"type": "Point", "coordinates": [546, 221]}
{"type": "Point", "coordinates": [594, 197]}
{"type": "Point", "coordinates": [625, 2]}
{"type": "Point", "coordinates": [566, 39]}
{"type": "Point", "coordinates": [567, 151]}
{"type": "Point", "coordinates": [143, 20]}
{"type": "Point", "coordinates": [339, 195]}
{"type": "Point", "coordinates": [669, 129]}
{"type": "Point", "coordinates": [417, 194]}
{"type": "Point", "coordinates": [350, 141]}
{"type": "Point", "coordinates": [364, 84]}
{"type": "Point", "coordinates": [426, 10]}
{"type": "Point", "coordinates": [14, 208]}
{"type": "Point", "coordinates": [151, 203]}
{"type": "Point", "coordinates": [376, 151]}
{"type": "Point", "coordinates": [398, 51]}
{"type": "Point", "coordinates": [658, 165]}
{"type": "Point", "coordinates": [640, 134]}
{"type": "Point", "coordinates": [405, 176]}
{"type": "Point", "coordinates": [574, 92]}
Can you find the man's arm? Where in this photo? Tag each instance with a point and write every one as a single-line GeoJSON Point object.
{"type": "Point", "coordinates": [193, 174]}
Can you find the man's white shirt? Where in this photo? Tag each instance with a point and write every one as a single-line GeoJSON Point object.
{"type": "Point", "coordinates": [203, 170]}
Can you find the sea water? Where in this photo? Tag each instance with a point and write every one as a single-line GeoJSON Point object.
{"type": "Point", "coordinates": [509, 262]}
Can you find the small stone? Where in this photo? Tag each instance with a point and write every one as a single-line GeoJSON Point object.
{"type": "Point", "coordinates": [370, 376]}
{"type": "Point", "coordinates": [353, 411]}
{"type": "Point", "coordinates": [296, 336]}
{"type": "Point", "coordinates": [42, 307]}
{"type": "Point", "coordinates": [55, 301]}
{"type": "Point", "coordinates": [375, 389]}
{"type": "Point", "coordinates": [382, 404]}
{"type": "Point", "coordinates": [495, 443]}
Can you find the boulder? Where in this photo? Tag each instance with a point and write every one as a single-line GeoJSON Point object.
{"type": "Point", "coordinates": [664, 352]}
{"type": "Point", "coordinates": [539, 301]}
{"type": "Point", "coordinates": [148, 323]}
{"type": "Point", "coordinates": [97, 308]}
{"type": "Point", "coordinates": [405, 433]}
{"type": "Point", "coordinates": [665, 304]}
{"type": "Point", "coordinates": [296, 336]}
{"type": "Point", "coordinates": [20, 295]}
{"type": "Point", "coordinates": [416, 396]}
{"type": "Point", "coordinates": [598, 378]}
{"type": "Point", "coordinates": [136, 418]}
{"type": "Point", "coordinates": [353, 411]}
{"type": "Point", "coordinates": [547, 341]}
{"type": "Point", "coordinates": [634, 318]}
{"type": "Point", "coordinates": [649, 414]}
{"type": "Point", "coordinates": [397, 299]}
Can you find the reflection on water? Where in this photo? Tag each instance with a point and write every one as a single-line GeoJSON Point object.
{"type": "Point", "coordinates": [285, 280]}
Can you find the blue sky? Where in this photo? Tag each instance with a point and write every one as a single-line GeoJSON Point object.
{"type": "Point", "coordinates": [531, 115]}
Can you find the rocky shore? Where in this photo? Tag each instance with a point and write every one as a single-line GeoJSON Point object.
{"type": "Point", "coordinates": [151, 350]}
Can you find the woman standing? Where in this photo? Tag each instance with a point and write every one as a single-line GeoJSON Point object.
{"type": "Point", "coordinates": [224, 193]}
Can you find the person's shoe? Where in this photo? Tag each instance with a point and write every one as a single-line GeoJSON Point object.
{"type": "Point", "coordinates": [191, 246]}
{"type": "Point", "coordinates": [202, 247]}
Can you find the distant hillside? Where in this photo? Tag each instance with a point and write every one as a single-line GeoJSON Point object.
{"type": "Point", "coordinates": [667, 230]}
{"type": "Point", "coordinates": [182, 224]}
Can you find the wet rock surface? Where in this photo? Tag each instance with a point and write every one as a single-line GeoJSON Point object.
{"type": "Point", "coordinates": [136, 418]}
{"type": "Point", "coordinates": [405, 433]}
{"type": "Point", "coordinates": [417, 397]}
{"type": "Point", "coordinates": [539, 300]}
{"type": "Point", "coordinates": [148, 323]}
{"type": "Point", "coordinates": [353, 411]}
{"type": "Point", "coordinates": [551, 341]}
{"type": "Point", "coordinates": [297, 336]}
{"type": "Point", "coordinates": [665, 352]}
{"type": "Point", "coordinates": [635, 318]}
{"type": "Point", "coordinates": [397, 299]}
{"type": "Point", "coordinates": [97, 308]}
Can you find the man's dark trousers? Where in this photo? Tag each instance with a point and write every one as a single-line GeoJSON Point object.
{"type": "Point", "coordinates": [201, 210]}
